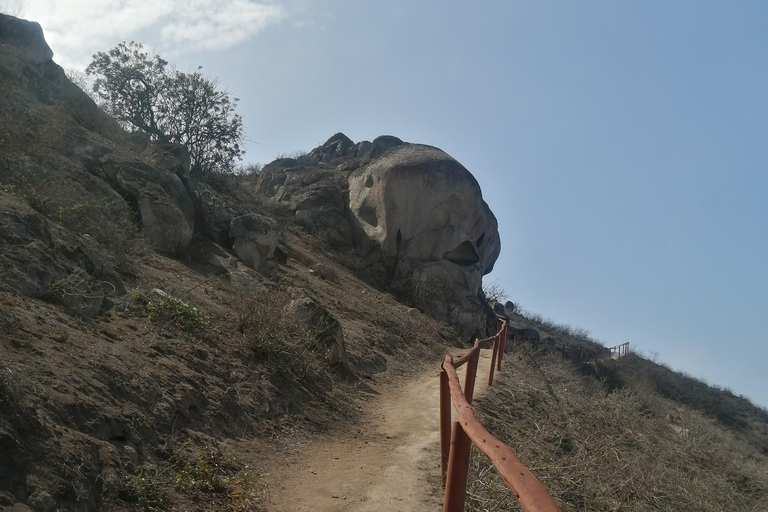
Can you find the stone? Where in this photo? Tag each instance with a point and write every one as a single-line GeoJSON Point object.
{"type": "Point", "coordinates": [168, 156]}
{"type": "Point", "coordinates": [317, 196]}
{"type": "Point", "coordinates": [243, 281]}
{"type": "Point", "coordinates": [213, 216]}
{"type": "Point", "coordinates": [527, 334]}
{"type": "Point", "coordinates": [160, 200]}
{"type": "Point", "coordinates": [336, 147]}
{"type": "Point", "coordinates": [421, 207]}
{"type": "Point", "coordinates": [381, 144]}
{"type": "Point", "coordinates": [26, 37]}
{"type": "Point", "coordinates": [309, 314]}
{"type": "Point", "coordinates": [255, 239]}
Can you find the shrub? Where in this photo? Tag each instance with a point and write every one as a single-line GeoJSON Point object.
{"type": "Point", "coordinates": [145, 488]}
{"type": "Point", "coordinates": [147, 94]}
{"type": "Point", "coordinates": [261, 318]}
{"type": "Point", "coordinates": [167, 311]}
{"type": "Point", "coordinates": [420, 291]}
{"type": "Point", "coordinates": [215, 472]}
{"type": "Point", "coordinates": [494, 292]}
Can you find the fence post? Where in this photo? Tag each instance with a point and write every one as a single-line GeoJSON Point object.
{"type": "Point", "coordinates": [456, 481]}
{"type": "Point", "coordinates": [493, 360]}
{"type": "Point", "coordinates": [502, 335]}
{"type": "Point", "coordinates": [445, 423]}
{"type": "Point", "coordinates": [469, 380]}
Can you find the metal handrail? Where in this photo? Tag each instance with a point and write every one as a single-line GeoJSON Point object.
{"type": "Point", "coordinates": [455, 447]}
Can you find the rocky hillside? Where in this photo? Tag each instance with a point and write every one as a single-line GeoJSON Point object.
{"type": "Point", "coordinates": [149, 319]}
{"type": "Point", "coordinates": [146, 315]}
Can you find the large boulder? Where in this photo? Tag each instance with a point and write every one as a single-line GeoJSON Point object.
{"type": "Point", "coordinates": [424, 211]}
{"type": "Point", "coordinates": [160, 200]}
{"type": "Point", "coordinates": [255, 238]}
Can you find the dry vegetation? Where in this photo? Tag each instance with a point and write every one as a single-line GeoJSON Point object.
{"type": "Point", "coordinates": [602, 448]}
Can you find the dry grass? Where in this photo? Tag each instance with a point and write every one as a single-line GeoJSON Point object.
{"type": "Point", "coordinates": [274, 339]}
{"type": "Point", "coordinates": [629, 450]}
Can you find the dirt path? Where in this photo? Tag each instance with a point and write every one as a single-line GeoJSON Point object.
{"type": "Point", "coordinates": [389, 462]}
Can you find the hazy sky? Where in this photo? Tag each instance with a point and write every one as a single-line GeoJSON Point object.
{"type": "Point", "coordinates": [622, 146]}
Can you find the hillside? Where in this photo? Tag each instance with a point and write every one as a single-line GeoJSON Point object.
{"type": "Point", "coordinates": [626, 434]}
{"type": "Point", "coordinates": [171, 343]}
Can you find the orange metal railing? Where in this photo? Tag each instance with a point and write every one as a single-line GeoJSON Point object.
{"type": "Point", "coordinates": [456, 439]}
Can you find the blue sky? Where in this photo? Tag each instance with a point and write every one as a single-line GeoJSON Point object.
{"type": "Point", "coordinates": [622, 146]}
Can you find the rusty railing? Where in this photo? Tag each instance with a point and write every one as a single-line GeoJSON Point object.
{"type": "Point", "coordinates": [457, 439]}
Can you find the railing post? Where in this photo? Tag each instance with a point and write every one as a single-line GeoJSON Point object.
{"type": "Point", "coordinates": [502, 335]}
{"type": "Point", "coordinates": [445, 423]}
{"type": "Point", "coordinates": [493, 360]}
{"type": "Point", "coordinates": [469, 380]}
{"type": "Point", "coordinates": [458, 463]}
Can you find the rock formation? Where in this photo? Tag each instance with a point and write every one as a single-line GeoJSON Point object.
{"type": "Point", "coordinates": [410, 208]}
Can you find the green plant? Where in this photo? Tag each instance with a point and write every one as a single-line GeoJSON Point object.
{"type": "Point", "coordinates": [206, 473]}
{"type": "Point", "coordinates": [212, 471]}
{"type": "Point", "coordinates": [145, 488]}
{"type": "Point", "coordinates": [147, 94]}
{"type": "Point", "coordinates": [167, 311]}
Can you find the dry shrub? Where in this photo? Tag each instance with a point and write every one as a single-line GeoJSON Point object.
{"type": "Point", "coordinates": [281, 343]}
{"type": "Point", "coordinates": [420, 290]}
{"type": "Point", "coordinates": [628, 450]}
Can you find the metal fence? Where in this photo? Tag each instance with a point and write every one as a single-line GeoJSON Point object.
{"type": "Point", "coordinates": [456, 439]}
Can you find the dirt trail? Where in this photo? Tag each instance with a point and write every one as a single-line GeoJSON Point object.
{"type": "Point", "coordinates": [390, 462]}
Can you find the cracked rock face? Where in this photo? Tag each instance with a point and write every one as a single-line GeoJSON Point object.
{"type": "Point", "coordinates": [426, 214]}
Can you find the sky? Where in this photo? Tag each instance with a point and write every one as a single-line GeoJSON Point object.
{"type": "Point", "coordinates": [623, 146]}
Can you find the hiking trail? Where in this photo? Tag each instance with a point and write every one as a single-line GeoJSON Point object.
{"type": "Point", "coordinates": [389, 461]}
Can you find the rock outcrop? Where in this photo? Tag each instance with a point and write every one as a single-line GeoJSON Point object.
{"type": "Point", "coordinates": [42, 260]}
{"type": "Point", "coordinates": [411, 209]}
{"type": "Point", "coordinates": [160, 199]}
{"type": "Point", "coordinates": [309, 315]}
{"type": "Point", "coordinates": [255, 239]}
{"type": "Point", "coordinates": [425, 213]}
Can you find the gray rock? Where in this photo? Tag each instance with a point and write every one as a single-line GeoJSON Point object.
{"type": "Point", "coordinates": [255, 238]}
{"type": "Point", "coordinates": [161, 200]}
{"type": "Point", "coordinates": [527, 334]}
{"type": "Point", "coordinates": [212, 213]}
{"type": "Point", "coordinates": [317, 196]}
{"type": "Point", "coordinates": [307, 313]}
{"type": "Point", "coordinates": [425, 212]}
{"type": "Point", "coordinates": [243, 281]}
{"type": "Point", "coordinates": [381, 144]}
{"type": "Point", "coordinates": [25, 37]}
{"type": "Point", "coordinates": [335, 148]}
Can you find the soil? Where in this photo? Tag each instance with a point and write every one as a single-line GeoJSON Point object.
{"type": "Point", "coordinates": [388, 462]}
